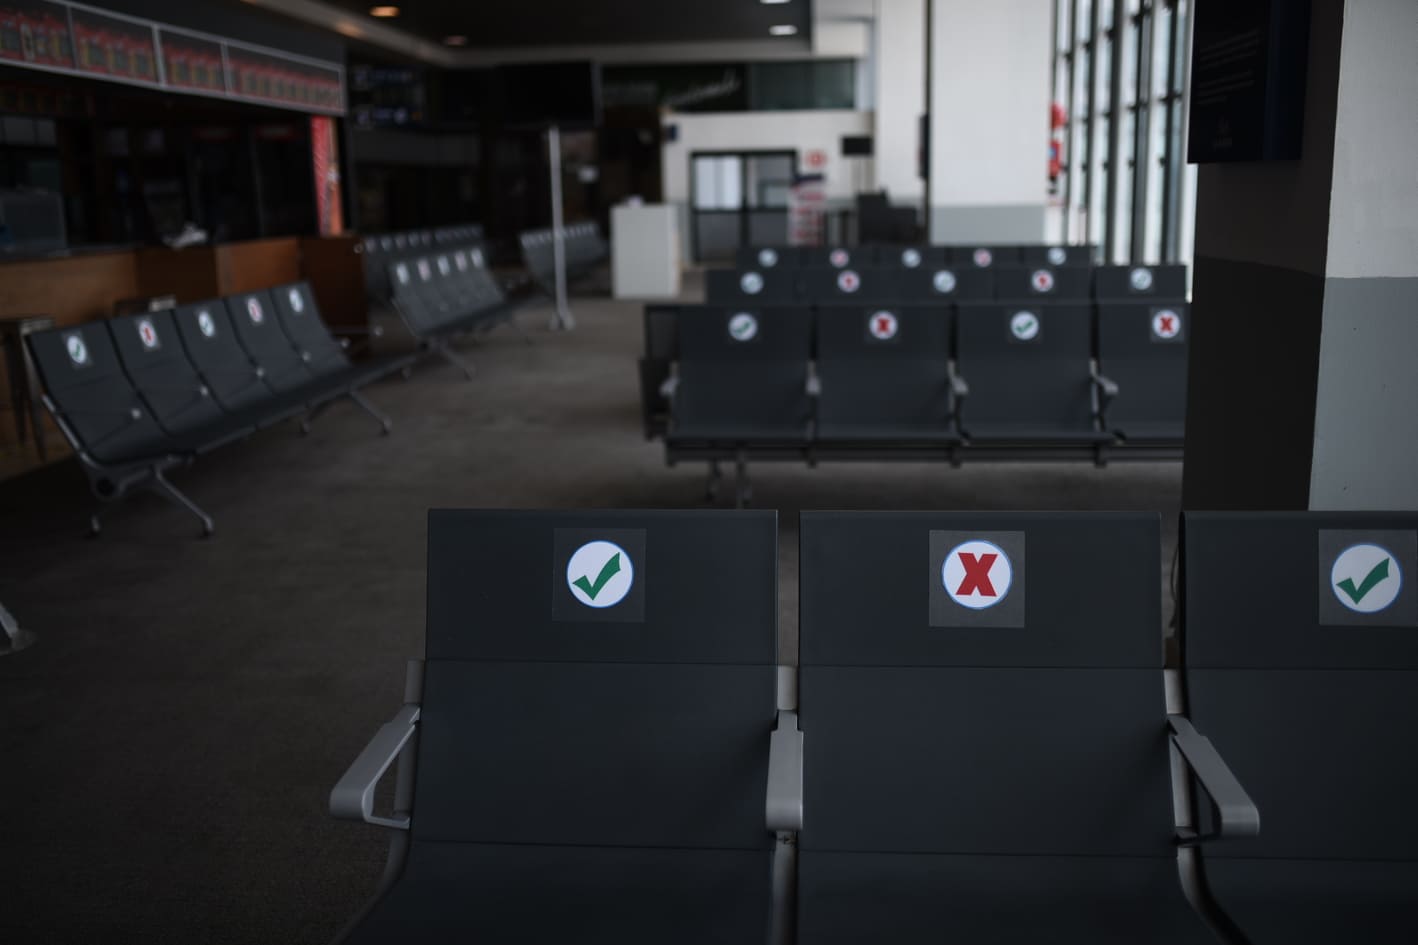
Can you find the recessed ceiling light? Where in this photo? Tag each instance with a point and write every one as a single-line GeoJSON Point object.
{"type": "Point", "coordinates": [772, 2]}
{"type": "Point", "coordinates": [384, 13]}
{"type": "Point", "coordinates": [785, 29]}
{"type": "Point", "coordinates": [455, 40]}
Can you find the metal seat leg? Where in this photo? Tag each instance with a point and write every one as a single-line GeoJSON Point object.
{"type": "Point", "coordinates": [161, 486]}
{"type": "Point", "coordinates": [385, 424]}
{"type": "Point", "coordinates": [453, 359]}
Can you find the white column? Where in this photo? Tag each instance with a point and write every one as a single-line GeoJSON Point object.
{"type": "Point", "coordinates": [989, 127]}
{"type": "Point", "coordinates": [899, 83]}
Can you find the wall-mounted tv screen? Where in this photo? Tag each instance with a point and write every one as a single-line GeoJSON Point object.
{"type": "Point", "coordinates": [566, 94]}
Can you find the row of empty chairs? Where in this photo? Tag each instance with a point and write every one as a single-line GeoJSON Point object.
{"type": "Point", "coordinates": [379, 251]}
{"type": "Point", "coordinates": [946, 283]}
{"type": "Point", "coordinates": [141, 394]}
{"type": "Point", "coordinates": [982, 741]}
{"type": "Point", "coordinates": [584, 246]}
{"type": "Point", "coordinates": [444, 296]}
{"type": "Point", "coordinates": [916, 256]}
{"type": "Point", "coordinates": [986, 380]}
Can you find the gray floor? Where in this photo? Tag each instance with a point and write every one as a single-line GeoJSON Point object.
{"type": "Point", "coordinates": [168, 743]}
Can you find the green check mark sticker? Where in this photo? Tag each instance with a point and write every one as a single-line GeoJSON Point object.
{"type": "Point", "coordinates": [1365, 578]}
{"type": "Point", "coordinates": [1024, 325]}
{"type": "Point", "coordinates": [1375, 576]}
{"type": "Point", "coordinates": [600, 574]}
{"type": "Point", "coordinates": [610, 570]}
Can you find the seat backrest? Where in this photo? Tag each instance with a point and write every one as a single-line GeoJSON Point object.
{"type": "Point", "coordinates": [847, 284]}
{"type": "Point", "coordinates": [984, 257]}
{"type": "Point", "coordinates": [409, 298]}
{"type": "Point", "coordinates": [750, 286]}
{"type": "Point", "coordinates": [236, 382]}
{"type": "Point", "coordinates": [151, 352]}
{"type": "Point", "coordinates": [916, 256]}
{"type": "Point", "coordinates": [1139, 283]}
{"type": "Point", "coordinates": [837, 257]}
{"type": "Point", "coordinates": [253, 315]}
{"type": "Point", "coordinates": [1144, 349]}
{"type": "Point", "coordinates": [743, 366]}
{"type": "Point", "coordinates": [82, 374]}
{"type": "Point", "coordinates": [300, 318]}
{"type": "Point", "coordinates": [946, 282]}
{"type": "Point", "coordinates": [983, 683]}
{"type": "Point", "coordinates": [589, 684]}
{"type": "Point", "coordinates": [1055, 255]}
{"type": "Point", "coordinates": [1300, 642]}
{"type": "Point", "coordinates": [1064, 283]}
{"type": "Point", "coordinates": [767, 257]}
{"type": "Point", "coordinates": [1026, 364]}
{"type": "Point", "coordinates": [883, 364]}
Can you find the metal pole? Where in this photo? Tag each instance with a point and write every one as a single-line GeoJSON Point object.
{"type": "Point", "coordinates": [561, 318]}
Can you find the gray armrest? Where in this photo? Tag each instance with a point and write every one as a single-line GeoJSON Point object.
{"type": "Point", "coordinates": [785, 776]}
{"type": "Point", "coordinates": [668, 388]}
{"type": "Point", "coordinates": [1107, 385]}
{"type": "Point", "coordinates": [957, 383]}
{"type": "Point", "coordinates": [353, 796]}
{"type": "Point", "coordinates": [814, 385]}
{"type": "Point", "coordinates": [370, 331]}
{"type": "Point", "coordinates": [1236, 812]}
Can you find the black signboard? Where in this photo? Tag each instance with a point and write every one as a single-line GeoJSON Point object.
{"type": "Point", "coordinates": [1248, 80]}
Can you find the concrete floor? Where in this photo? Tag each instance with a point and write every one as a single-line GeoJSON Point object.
{"type": "Point", "coordinates": [168, 744]}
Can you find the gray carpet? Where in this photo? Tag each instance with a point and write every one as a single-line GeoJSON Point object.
{"type": "Point", "coordinates": [168, 744]}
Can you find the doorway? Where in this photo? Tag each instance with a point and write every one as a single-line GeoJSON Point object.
{"type": "Point", "coordinates": [738, 198]}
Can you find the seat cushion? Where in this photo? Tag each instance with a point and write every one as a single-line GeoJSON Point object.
{"type": "Point", "coordinates": [538, 895]}
{"type": "Point", "coordinates": [1029, 435]}
{"type": "Point", "coordinates": [915, 899]}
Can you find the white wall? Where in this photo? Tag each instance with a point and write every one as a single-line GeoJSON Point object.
{"type": "Point", "coordinates": [899, 79]}
{"type": "Point", "coordinates": [989, 82]}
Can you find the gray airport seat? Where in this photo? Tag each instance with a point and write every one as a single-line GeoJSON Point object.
{"type": "Point", "coordinates": [768, 257]}
{"type": "Point", "coordinates": [946, 282]}
{"type": "Point", "coordinates": [151, 352]}
{"type": "Point", "coordinates": [661, 348]}
{"type": "Point", "coordinates": [1030, 374]}
{"type": "Point", "coordinates": [254, 317]}
{"type": "Point", "coordinates": [1058, 255]}
{"type": "Point", "coordinates": [578, 770]}
{"type": "Point", "coordinates": [986, 732]}
{"type": "Point", "coordinates": [236, 382]}
{"type": "Point", "coordinates": [847, 285]}
{"type": "Point", "coordinates": [1143, 349]}
{"type": "Point", "coordinates": [1140, 283]}
{"type": "Point", "coordinates": [1300, 638]}
{"type": "Point", "coordinates": [914, 256]}
{"type": "Point", "coordinates": [742, 376]}
{"type": "Point", "coordinates": [777, 286]}
{"type": "Point", "coordinates": [1044, 283]}
{"type": "Point", "coordinates": [883, 374]}
{"type": "Point", "coordinates": [121, 447]}
{"type": "Point", "coordinates": [985, 257]}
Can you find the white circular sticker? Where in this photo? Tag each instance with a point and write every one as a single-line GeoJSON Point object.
{"type": "Point", "coordinates": [839, 258]}
{"type": "Point", "coordinates": [460, 259]}
{"type": "Point", "coordinates": [883, 326]}
{"type": "Point", "coordinates": [1024, 326]}
{"type": "Point", "coordinates": [425, 273]}
{"type": "Point", "coordinates": [1057, 256]}
{"type": "Point", "coordinates": [944, 281]}
{"type": "Point", "coordinates": [78, 351]}
{"type": "Point", "coordinates": [297, 301]}
{"type": "Point", "coordinates": [848, 281]}
{"type": "Point", "coordinates": [402, 272]}
{"type": "Point", "coordinates": [477, 257]}
{"type": "Point", "coordinates": [253, 308]}
{"type": "Point", "coordinates": [205, 323]}
{"type": "Point", "coordinates": [1166, 324]}
{"type": "Point", "coordinates": [743, 327]}
{"type": "Point", "coordinates": [910, 258]}
{"type": "Point", "coordinates": [443, 267]}
{"type": "Point", "coordinates": [600, 574]}
{"type": "Point", "coordinates": [977, 574]}
{"type": "Point", "coordinates": [1042, 280]}
{"type": "Point", "coordinates": [983, 258]}
{"type": "Point", "coordinates": [147, 334]}
{"type": "Point", "coordinates": [768, 258]}
{"type": "Point", "coordinates": [751, 283]}
{"type": "Point", "coordinates": [1366, 578]}
{"type": "Point", "coordinates": [1141, 278]}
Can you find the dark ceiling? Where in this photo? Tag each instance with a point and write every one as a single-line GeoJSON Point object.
{"type": "Point", "coordinates": [506, 23]}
